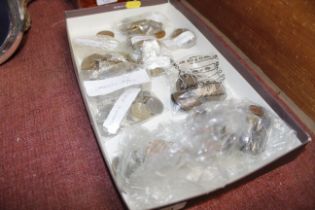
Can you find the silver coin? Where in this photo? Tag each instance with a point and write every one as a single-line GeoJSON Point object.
{"type": "Point", "coordinates": [145, 107]}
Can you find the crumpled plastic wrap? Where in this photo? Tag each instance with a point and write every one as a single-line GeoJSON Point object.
{"type": "Point", "coordinates": [182, 158]}
{"type": "Point", "coordinates": [146, 24]}
{"type": "Point", "coordinates": [199, 80]}
{"type": "Point", "coordinates": [124, 108]}
{"type": "Point", "coordinates": [109, 64]}
{"type": "Point", "coordinates": [147, 51]}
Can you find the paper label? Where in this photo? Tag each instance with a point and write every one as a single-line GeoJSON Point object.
{"type": "Point", "coordinates": [97, 42]}
{"type": "Point", "coordinates": [120, 109]}
{"type": "Point", "coordinates": [157, 62]}
{"type": "Point", "coordinates": [136, 39]}
{"type": "Point", "coordinates": [102, 2]}
{"type": "Point", "coordinates": [106, 86]}
{"type": "Point", "coordinates": [202, 66]}
{"type": "Point", "coordinates": [184, 37]}
{"type": "Point", "coordinates": [179, 40]}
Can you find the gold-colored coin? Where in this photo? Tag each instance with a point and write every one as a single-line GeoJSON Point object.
{"type": "Point", "coordinates": [106, 33]}
{"type": "Point", "coordinates": [91, 62]}
{"type": "Point", "coordinates": [145, 107]}
{"type": "Point", "coordinates": [140, 112]}
{"type": "Point", "coordinates": [160, 34]}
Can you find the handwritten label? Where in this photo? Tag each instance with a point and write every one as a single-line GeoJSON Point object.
{"type": "Point", "coordinates": [120, 109]}
{"type": "Point", "coordinates": [106, 86]}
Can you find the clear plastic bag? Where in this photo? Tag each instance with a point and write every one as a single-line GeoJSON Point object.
{"type": "Point", "coordinates": [146, 24]}
{"type": "Point", "coordinates": [101, 66]}
{"type": "Point", "coordinates": [125, 108]}
{"type": "Point", "coordinates": [199, 80]}
{"type": "Point", "coordinates": [215, 143]}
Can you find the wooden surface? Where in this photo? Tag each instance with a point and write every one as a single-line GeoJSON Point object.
{"type": "Point", "coordinates": [277, 35]}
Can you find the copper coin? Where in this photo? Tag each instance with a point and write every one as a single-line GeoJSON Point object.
{"type": "Point", "coordinates": [106, 33]}
{"type": "Point", "coordinates": [257, 110]}
{"type": "Point", "coordinates": [160, 34]}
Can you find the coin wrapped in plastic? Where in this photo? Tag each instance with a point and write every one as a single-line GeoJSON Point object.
{"type": "Point", "coordinates": [107, 43]}
{"type": "Point", "coordinates": [124, 108]}
{"type": "Point", "coordinates": [186, 81]}
{"type": "Point", "coordinates": [181, 39]}
{"type": "Point", "coordinates": [254, 139]}
{"type": "Point", "coordinates": [144, 107]}
{"type": "Point", "coordinates": [148, 25]}
{"type": "Point", "coordinates": [100, 66]}
{"type": "Point", "coordinates": [189, 98]}
{"type": "Point", "coordinates": [204, 151]}
{"type": "Point", "coordinates": [96, 62]}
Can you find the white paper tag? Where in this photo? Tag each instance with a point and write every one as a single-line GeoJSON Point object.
{"type": "Point", "coordinates": [136, 39]}
{"type": "Point", "coordinates": [179, 40]}
{"type": "Point", "coordinates": [119, 110]}
{"type": "Point", "coordinates": [102, 2]}
{"type": "Point", "coordinates": [106, 86]}
{"type": "Point", "coordinates": [157, 62]}
{"type": "Point", "coordinates": [97, 42]}
{"type": "Point", "coordinates": [184, 37]}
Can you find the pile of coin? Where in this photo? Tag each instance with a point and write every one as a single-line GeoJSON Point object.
{"type": "Point", "coordinates": [144, 27]}
{"type": "Point", "coordinates": [191, 93]}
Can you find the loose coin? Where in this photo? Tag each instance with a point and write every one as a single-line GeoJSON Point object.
{"type": "Point", "coordinates": [160, 34]}
{"type": "Point", "coordinates": [106, 33]}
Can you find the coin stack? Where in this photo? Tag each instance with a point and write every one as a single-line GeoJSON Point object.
{"type": "Point", "coordinates": [191, 93]}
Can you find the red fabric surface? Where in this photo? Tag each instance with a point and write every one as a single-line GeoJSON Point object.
{"type": "Point", "coordinates": [49, 158]}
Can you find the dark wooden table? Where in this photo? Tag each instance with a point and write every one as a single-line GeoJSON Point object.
{"type": "Point", "coordinates": [49, 158]}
